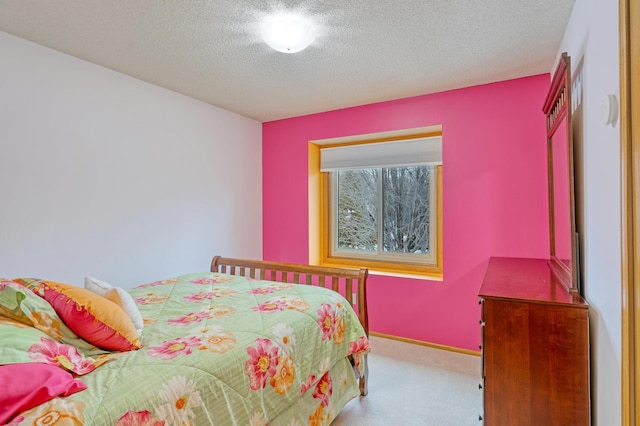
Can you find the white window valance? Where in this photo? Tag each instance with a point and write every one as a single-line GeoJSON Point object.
{"type": "Point", "coordinates": [400, 153]}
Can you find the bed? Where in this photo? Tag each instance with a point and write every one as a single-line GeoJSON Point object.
{"type": "Point", "coordinates": [248, 343]}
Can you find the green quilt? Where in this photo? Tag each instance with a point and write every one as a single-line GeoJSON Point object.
{"type": "Point", "coordinates": [224, 350]}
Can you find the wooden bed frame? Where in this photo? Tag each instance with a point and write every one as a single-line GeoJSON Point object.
{"type": "Point", "coordinates": [350, 283]}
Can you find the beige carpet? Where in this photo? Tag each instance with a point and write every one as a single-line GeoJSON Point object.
{"type": "Point", "coordinates": [416, 385]}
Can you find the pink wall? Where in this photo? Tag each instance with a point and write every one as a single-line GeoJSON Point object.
{"type": "Point", "coordinates": [494, 194]}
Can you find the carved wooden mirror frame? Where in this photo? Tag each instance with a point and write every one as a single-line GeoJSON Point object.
{"type": "Point", "coordinates": [562, 230]}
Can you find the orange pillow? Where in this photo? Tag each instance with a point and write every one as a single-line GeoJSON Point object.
{"type": "Point", "coordinates": [91, 316]}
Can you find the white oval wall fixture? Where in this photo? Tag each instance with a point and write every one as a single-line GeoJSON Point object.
{"type": "Point", "coordinates": [609, 110]}
{"type": "Point", "coordinates": [287, 33]}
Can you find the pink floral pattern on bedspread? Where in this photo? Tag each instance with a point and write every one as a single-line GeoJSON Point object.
{"type": "Point", "coordinates": [221, 349]}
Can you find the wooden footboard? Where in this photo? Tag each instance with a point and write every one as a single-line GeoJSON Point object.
{"type": "Point", "coordinates": [351, 283]}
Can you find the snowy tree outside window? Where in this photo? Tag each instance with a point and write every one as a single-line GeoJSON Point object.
{"type": "Point", "coordinates": [385, 213]}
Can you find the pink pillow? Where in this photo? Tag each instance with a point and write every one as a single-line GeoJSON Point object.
{"type": "Point", "coordinates": [25, 386]}
{"type": "Point", "coordinates": [92, 317]}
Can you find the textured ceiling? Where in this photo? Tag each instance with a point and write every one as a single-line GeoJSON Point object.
{"type": "Point", "coordinates": [367, 50]}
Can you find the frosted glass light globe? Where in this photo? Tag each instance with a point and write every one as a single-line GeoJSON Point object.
{"type": "Point", "coordinates": [287, 33]}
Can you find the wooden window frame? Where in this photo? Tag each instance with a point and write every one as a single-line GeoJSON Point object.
{"type": "Point", "coordinates": [317, 194]}
{"type": "Point", "coordinates": [388, 266]}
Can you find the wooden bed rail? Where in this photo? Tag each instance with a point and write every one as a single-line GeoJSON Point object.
{"type": "Point", "coordinates": [349, 282]}
{"type": "Point", "coordinates": [341, 280]}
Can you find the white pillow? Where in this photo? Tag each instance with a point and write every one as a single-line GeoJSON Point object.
{"type": "Point", "coordinates": [96, 286]}
{"type": "Point", "coordinates": [119, 296]}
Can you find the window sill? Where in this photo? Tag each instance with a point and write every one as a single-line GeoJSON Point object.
{"type": "Point", "coordinates": [412, 275]}
{"type": "Point", "coordinates": [373, 270]}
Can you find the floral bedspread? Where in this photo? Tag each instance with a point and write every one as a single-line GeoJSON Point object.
{"type": "Point", "coordinates": [224, 350]}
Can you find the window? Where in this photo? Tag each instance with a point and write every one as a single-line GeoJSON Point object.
{"type": "Point", "coordinates": [381, 206]}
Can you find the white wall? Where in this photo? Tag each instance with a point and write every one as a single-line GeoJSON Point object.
{"type": "Point", "coordinates": [102, 174]}
{"type": "Point", "coordinates": [592, 41]}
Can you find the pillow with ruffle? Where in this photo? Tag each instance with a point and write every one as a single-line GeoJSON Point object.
{"type": "Point", "coordinates": [20, 303]}
{"type": "Point", "coordinates": [119, 296]}
{"type": "Point", "coordinates": [92, 317]}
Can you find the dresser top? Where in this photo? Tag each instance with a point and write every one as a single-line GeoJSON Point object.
{"type": "Point", "coordinates": [525, 279]}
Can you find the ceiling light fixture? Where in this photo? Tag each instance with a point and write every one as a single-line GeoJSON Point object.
{"type": "Point", "coordinates": [287, 33]}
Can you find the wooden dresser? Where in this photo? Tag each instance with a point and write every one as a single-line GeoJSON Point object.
{"type": "Point", "coordinates": [535, 347]}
